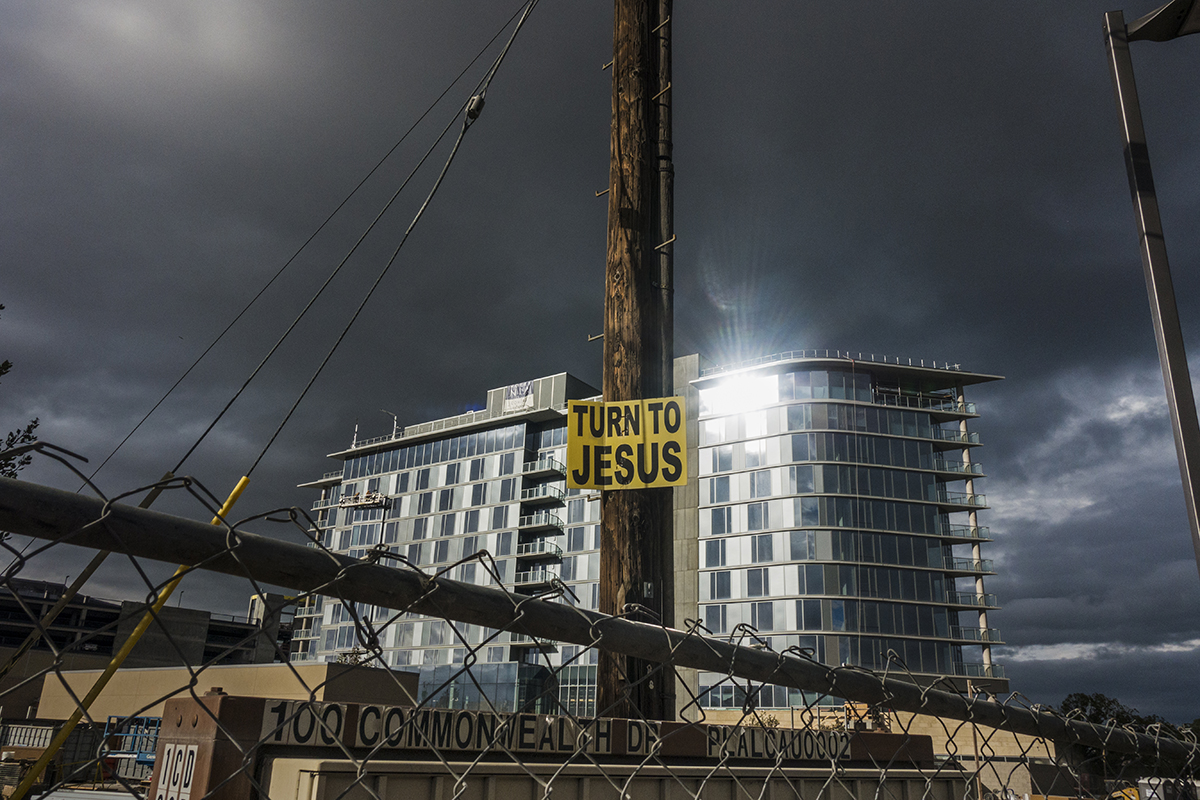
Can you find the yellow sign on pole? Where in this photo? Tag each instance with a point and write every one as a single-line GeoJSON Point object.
{"type": "Point", "coordinates": [635, 444]}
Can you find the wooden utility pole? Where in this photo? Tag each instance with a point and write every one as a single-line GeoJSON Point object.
{"type": "Point", "coordinates": [636, 562]}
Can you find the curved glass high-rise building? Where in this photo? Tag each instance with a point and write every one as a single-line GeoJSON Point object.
{"type": "Point", "coordinates": [838, 513]}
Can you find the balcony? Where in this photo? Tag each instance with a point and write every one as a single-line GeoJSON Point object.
{"type": "Point", "coordinates": [951, 435]}
{"type": "Point", "coordinates": [957, 467]}
{"type": "Point", "coordinates": [971, 599]}
{"type": "Point", "coordinates": [961, 499]}
{"type": "Point", "coordinates": [970, 532]}
{"type": "Point", "coordinates": [981, 566]}
{"type": "Point", "coordinates": [543, 467]}
{"type": "Point", "coordinates": [534, 577]}
{"type": "Point", "coordinates": [542, 521]}
{"type": "Point", "coordinates": [968, 634]}
{"type": "Point", "coordinates": [541, 548]}
{"type": "Point", "coordinates": [927, 403]}
{"type": "Point", "coordinates": [979, 670]}
{"type": "Point", "coordinates": [322, 504]}
{"type": "Point", "coordinates": [546, 493]}
{"type": "Point", "coordinates": [524, 640]}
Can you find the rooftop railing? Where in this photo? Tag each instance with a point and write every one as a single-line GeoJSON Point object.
{"type": "Point", "coordinates": [925, 402]}
{"type": "Point", "coordinates": [791, 355]}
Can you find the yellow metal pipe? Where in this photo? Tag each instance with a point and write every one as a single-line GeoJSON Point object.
{"type": "Point", "coordinates": [119, 659]}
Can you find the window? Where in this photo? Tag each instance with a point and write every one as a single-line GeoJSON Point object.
{"type": "Point", "coordinates": [718, 490]}
{"type": "Point", "coordinates": [762, 548]}
{"type": "Point", "coordinates": [507, 489]}
{"type": "Point", "coordinates": [714, 553]}
{"type": "Point", "coordinates": [808, 615]}
{"type": "Point", "coordinates": [760, 483]}
{"type": "Point", "coordinates": [507, 463]}
{"type": "Point", "coordinates": [714, 431]}
{"type": "Point", "coordinates": [466, 573]}
{"type": "Point", "coordinates": [441, 551]}
{"type": "Point", "coordinates": [722, 458]}
{"type": "Point", "coordinates": [756, 454]}
{"type": "Point", "coordinates": [801, 479]}
{"type": "Point", "coordinates": [479, 494]}
{"type": "Point", "coordinates": [452, 471]}
{"type": "Point", "coordinates": [425, 503]}
{"type": "Point", "coordinates": [423, 479]}
{"type": "Point", "coordinates": [576, 539]}
{"type": "Point", "coordinates": [476, 468]}
{"type": "Point", "coordinates": [722, 521]}
{"type": "Point", "coordinates": [576, 510]}
{"type": "Point", "coordinates": [504, 544]}
{"type": "Point", "coordinates": [420, 528]}
{"type": "Point", "coordinates": [402, 483]}
{"type": "Point", "coordinates": [472, 523]}
{"type": "Point", "coordinates": [802, 545]}
{"type": "Point", "coordinates": [715, 618]}
{"type": "Point", "coordinates": [758, 583]}
{"type": "Point", "coordinates": [718, 585]}
{"type": "Point", "coordinates": [445, 499]}
{"type": "Point", "coordinates": [757, 517]}
{"type": "Point", "coordinates": [762, 616]}
{"type": "Point", "coordinates": [499, 517]}
{"type": "Point", "coordinates": [470, 545]}
{"type": "Point", "coordinates": [756, 424]}
{"type": "Point", "coordinates": [416, 554]}
{"type": "Point", "coordinates": [447, 525]}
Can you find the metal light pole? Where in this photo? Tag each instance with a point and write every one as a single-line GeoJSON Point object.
{"type": "Point", "coordinates": [1177, 18]}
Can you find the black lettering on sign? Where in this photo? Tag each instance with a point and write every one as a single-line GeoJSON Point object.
{"type": "Point", "coordinates": [672, 466]}
{"type": "Point", "coordinates": [603, 478]}
{"type": "Point", "coordinates": [278, 727]}
{"type": "Point", "coordinates": [393, 726]}
{"type": "Point", "coordinates": [368, 726]}
{"type": "Point", "coordinates": [332, 718]}
{"type": "Point", "coordinates": [624, 473]}
{"type": "Point", "coordinates": [614, 420]}
{"type": "Point", "coordinates": [464, 733]}
{"type": "Point", "coordinates": [303, 724]}
{"type": "Point", "coordinates": [647, 474]}
{"type": "Point", "coordinates": [672, 416]}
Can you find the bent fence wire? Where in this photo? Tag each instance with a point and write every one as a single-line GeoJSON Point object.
{"type": "Point", "coordinates": [363, 729]}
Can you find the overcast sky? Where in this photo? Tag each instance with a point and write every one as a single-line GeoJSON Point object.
{"type": "Point", "coordinates": [937, 180]}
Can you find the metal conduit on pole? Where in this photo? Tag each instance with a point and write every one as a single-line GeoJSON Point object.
{"type": "Point", "coordinates": [54, 515]}
{"type": "Point", "coordinates": [1177, 18]}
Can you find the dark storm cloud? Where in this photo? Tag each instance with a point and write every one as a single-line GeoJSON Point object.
{"type": "Point", "coordinates": [936, 180]}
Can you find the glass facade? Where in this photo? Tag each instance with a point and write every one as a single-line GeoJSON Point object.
{"type": "Point", "coordinates": [827, 522]}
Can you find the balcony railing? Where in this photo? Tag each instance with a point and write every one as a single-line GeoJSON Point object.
{"type": "Point", "coordinates": [966, 531]}
{"type": "Point", "coordinates": [951, 435]}
{"type": "Point", "coordinates": [541, 520]}
{"type": "Point", "coordinates": [962, 499]}
{"type": "Point", "coordinates": [524, 639]}
{"type": "Point", "coordinates": [544, 492]}
{"type": "Point", "coordinates": [534, 576]}
{"type": "Point", "coordinates": [972, 599]}
{"type": "Point", "coordinates": [547, 465]}
{"type": "Point", "coordinates": [979, 670]}
{"type": "Point", "coordinates": [983, 565]}
{"type": "Point", "coordinates": [968, 634]}
{"type": "Point", "coordinates": [539, 548]}
{"type": "Point", "coordinates": [926, 402]}
{"type": "Point", "coordinates": [320, 504]}
{"type": "Point", "coordinates": [943, 465]}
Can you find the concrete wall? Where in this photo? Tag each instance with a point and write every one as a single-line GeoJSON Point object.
{"type": "Point", "coordinates": [321, 779]}
{"type": "Point", "coordinates": [142, 691]}
{"type": "Point", "coordinates": [686, 546]}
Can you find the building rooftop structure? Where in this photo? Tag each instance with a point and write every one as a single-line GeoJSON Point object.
{"type": "Point", "coordinates": [832, 505]}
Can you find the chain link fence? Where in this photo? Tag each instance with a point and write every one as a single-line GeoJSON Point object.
{"type": "Point", "coordinates": [197, 721]}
